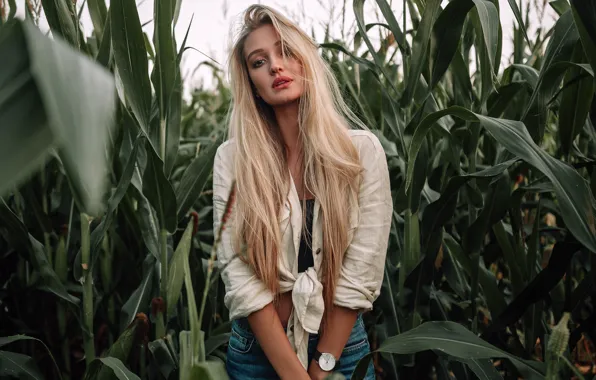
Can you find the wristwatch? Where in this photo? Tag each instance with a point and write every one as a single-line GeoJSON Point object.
{"type": "Point", "coordinates": [326, 361]}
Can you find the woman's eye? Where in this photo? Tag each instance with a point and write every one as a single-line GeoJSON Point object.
{"type": "Point", "coordinates": [257, 63]}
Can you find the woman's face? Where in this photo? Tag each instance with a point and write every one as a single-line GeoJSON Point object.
{"type": "Point", "coordinates": [266, 67]}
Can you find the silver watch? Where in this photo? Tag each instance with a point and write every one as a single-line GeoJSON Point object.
{"type": "Point", "coordinates": [326, 361]}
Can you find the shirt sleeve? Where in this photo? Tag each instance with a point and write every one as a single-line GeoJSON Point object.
{"type": "Point", "coordinates": [361, 274]}
{"type": "Point", "coordinates": [245, 292]}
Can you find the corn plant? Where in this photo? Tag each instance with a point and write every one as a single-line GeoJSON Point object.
{"type": "Point", "coordinates": [108, 250]}
{"type": "Point", "coordinates": [97, 115]}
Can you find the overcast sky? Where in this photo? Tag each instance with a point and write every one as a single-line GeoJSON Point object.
{"type": "Point", "coordinates": [214, 19]}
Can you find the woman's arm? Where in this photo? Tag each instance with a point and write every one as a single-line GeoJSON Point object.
{"type": "Point", "coordinates": [339, 323]}
{"type": "Point", "coordinates": [266, 326]}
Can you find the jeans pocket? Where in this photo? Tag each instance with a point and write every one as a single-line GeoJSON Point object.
{"type": "Point", "coordinates": [355, 346]}
{"type": "Point", "coordinates": [240, 341]}
{"type": "Point", "coordinates": [358, 339]}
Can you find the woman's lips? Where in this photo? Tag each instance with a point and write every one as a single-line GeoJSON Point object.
{"type": "Point", "coordinates": [282, 85]}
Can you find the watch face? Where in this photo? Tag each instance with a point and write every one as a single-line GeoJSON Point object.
{"type": "Point", "coordinates": [326, 361]}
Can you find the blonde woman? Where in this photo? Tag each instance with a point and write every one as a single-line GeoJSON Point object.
{"type": "Point", "coordinates": [303, 250]}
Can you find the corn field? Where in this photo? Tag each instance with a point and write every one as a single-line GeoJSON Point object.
{"type": "Point", "coordinates": [106, 225]}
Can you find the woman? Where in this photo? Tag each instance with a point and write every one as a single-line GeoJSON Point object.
{"type": "Point", "coordinates": [303, 249]}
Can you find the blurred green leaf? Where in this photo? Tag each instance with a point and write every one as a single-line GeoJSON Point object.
{"type": "Point", "coordinates": [78, 100]}
{"type": "Point", "coordinates": [98, 233]}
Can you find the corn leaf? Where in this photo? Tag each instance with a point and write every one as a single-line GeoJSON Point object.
{"type": "Point", "coordinates": [18, 365]}
{"type": "Point", "coordinates": [139, 300]}
{"type": "Point", "coordinates": [576, 100]}
{"type": "Point", "coordinates": [130, 57]}
{"type": "Point", "coordinates": [176, 270]}
{"type": "Point", "coordinates": [446, 36]}
{"type": "Point", "coordinates": [167, 82]}
{"type": "Point", "coordinates": [120, 370]}
{"type": "Point", "coordinates": [452, 339]}
{"type": "Point", "coordinates": [99, 14]}
{"type": "Point", "coordinates": [584, 14]}
{"type": "Point", "coordinates": [572, 191]}
{"type": "Point", "coordinates": [158, 191]}
{"type": "Point", "coordinates": [419, 49]}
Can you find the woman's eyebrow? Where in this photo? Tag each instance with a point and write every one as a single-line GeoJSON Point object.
{"type": "Point", "coordinates": [261, 50]}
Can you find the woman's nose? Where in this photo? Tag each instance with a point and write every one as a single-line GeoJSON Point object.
{"type": "Point", "coordinates": [276, 66]}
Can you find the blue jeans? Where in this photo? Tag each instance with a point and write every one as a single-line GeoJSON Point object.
{"type": "Point", "coordinates": [246, 359]}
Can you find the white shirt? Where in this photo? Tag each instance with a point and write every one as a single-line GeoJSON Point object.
{"type": "Point", "coordinates": [361, 275]}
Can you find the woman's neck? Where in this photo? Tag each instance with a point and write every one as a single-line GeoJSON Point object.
{"type": "Point", "coordinates": [287, 121]}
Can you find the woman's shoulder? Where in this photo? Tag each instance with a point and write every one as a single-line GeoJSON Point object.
{"type": "Point", "coordinates": [226, 149]}
{"type": "Point", "coordinates": [365, 140]}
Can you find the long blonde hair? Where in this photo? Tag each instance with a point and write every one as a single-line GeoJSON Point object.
{"type": "Point", "coordinates": [329, 161]}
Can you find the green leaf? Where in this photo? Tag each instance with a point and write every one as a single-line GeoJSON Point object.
{"type": "Point", "coordinates": [215, 342]}
{"type": "Point", "coordinates": [130, 57]}
{"type": "Point", "coordinates": [18, 237]}
{"type": "Point", "coordinates": [12, 7]}
{"type": "Point", "coordinates": [159, 191]}
{"type": "Point", "coordinates": [120, 370]}
{"type": "Point", "coordinates": [98, 13]}
{"type": "Point", "coordinates": [446, 37]}
{"type": "Point", "coordinates": [564, 37]}
{"type": "Point", "coordinates": [167, 82]}
{"type": "Point", "coordinates": [419, 50]}
{"type": "Point", "coordinates": [576, 101]}
{"type": "Point", "coordinates": [139, 300]}
{"type": "Point", "coordinates": [195, 178]}
{"type": "Point", "coordinates": [572, 192]}
{"type": "Point", "coordinates": [15, 338]}
{"type": "Point", "coordinates": [489, 19]}
{"type": "Point", "coordinates": [19, 366]}
{"type": "Point", "coordinates": [584, 14]}
{"type": "Point", "coordinates": [358, 6]}
{"type": "Point", "coordinates": [98, 233]}
{"type": "Point", "coordinates": [58, 15]}
{"type": "Point", "coordinates": [176, 269]}
{"type": "Point", "coordinates": [519, 19]}
{"type": "Point", "coordinates": [164, 358]}
{"type": "Point", "coordinates": [484, 369]}
{"type": "Point", "coordinates": [400, 38]}
{"type": "Point", "coordinates": [72, 100]}
{"type": "Point", "coordinates": [560, 6]}
{"type": "Point", "coordinates": [455, 341]}
{"type": "Point", "coordinates": [135, 333]}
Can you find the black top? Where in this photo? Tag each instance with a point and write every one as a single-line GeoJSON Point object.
{"type": "Point", "coordinates": [305, 257]}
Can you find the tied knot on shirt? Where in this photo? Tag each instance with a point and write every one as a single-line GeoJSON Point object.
{"type": "Point", "coordinates": [307, 313]}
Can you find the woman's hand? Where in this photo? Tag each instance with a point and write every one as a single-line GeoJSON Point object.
{"type": "Point", "coordinates": [315, 372]}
